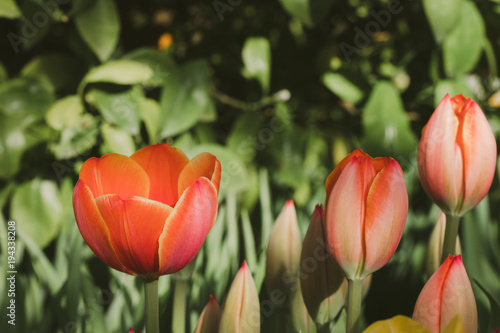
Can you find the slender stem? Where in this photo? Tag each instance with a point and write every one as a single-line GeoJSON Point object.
{"type": "Point", "coordinates": [179, 315]}
{"type": "Point", "coordinates": [450, 236]}
{"type": "Point", "coordinates": [353, 305]}
{"type": "Point", "coordinates": [152, 315]}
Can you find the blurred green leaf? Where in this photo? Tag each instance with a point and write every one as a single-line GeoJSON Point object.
{"type": "Point", "coordinates": [443, 16]}
{"type": "Point", "coordinates": [453, 87]}
{"type": "Point", "coordinates": [58, 69]}
{"type": "Point", "coordinates": [36, 207]}
{"type": "Point", "coordinates": [64, 112]}
{"type": "Point", "coordinates": [120, 109]}
{"type": "Point", "coordinates": [309, 12]}
{"type": "Point", "coordinates": [3, 73]}
{"type": "Point", "coordinates": [385, 123]}
{"type": "Point", "coordinates": [160, 63]}
{"type": "Point", "coordinates": [99, 26]}
{"type": "Point", "coordinates": [342, 87]}
{"type": "Point", "coordinates": [266, 211]}
{"type": "Point", "coordinates": [25, 99]}
{"type": "Point", "coordinates": [117, 140]}
{"type": "Point", "coordinates": [30, 32]}
{"type": "Point", "coordinates": [257, 59]}
{"type": "Point", "coordinates": [185, 99]}
{"type": "Point", "coordinates": [468, 34]}
{"type": "Point", "coordinates": [244, 136]}
{"type": "Point", "coordinates": [248, 240]}
{"type": "Point", "coordinates": [123, 72]}
{"type": "Point", "coordinates": [494, 308]}
{"type": "Point", "coordinates": [150, 113]}
{"type": "Point", "coordinates": [77, 139]}
{"type": "Point", "coordinates": [9, 9]}
{"type": "Point", "coordinates": [13, 143]}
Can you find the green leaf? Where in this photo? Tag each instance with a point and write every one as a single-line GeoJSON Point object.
{"type": "Point", "coordinates": [75, 140]}
{"type": "Point", "coordinates": [469, 34]}
{"type": "Point", "coordinates": [9, 9]}
{"type": "Point", "coordinates": [249, 240]}
{"type": "Point", "coordinates": [13, 143]}
{"type": "Point", "coordinates": [342, 87]}
{"type": "Point", "coordinates": [160, 63]}
{"type": "Point", "coordinates": [120, 109]}
{"type": "Point", "coordinates": [386, 126]}
{"type": "Point", "coordinates": [309, 12]}
{"type": "Point", "coordinates": [117, 140]}
{"type": "Point", "coordinates": [257, 59]}
{"type": "Point", "coordinates": [58, 69]}
{"type": "Point", "coordinates": [494, 308]}
{"type": "Point", "coordinates": [123, 72]}
{"type": "Point", "coordinates": [453, 87]}
{"type": "Point", "coordinates": [150, 114]}
{"type": "Point", "coordinates": [99, 27]}
{"type": "Point", "coordinates": [3, 73]}
{"type": "Point", "coordinates": [65, 112]}
{"type": "Point", "coordinates": [243, 138]}
{"type": "Point", "coordinates": [185, 99]}
{"type": "Point", "coordinates": [36, 207]}
{"type": "Point", "coordinates": [443, 16]}
{"type": "Point", "coordinates": [25, 99]}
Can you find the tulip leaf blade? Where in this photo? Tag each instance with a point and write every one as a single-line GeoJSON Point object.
{"type": "Point", "coordinates": [494, 307]}
{"type": "Point", "coordinates": [468, 34]}
{"type": "Point", "coordinates": [385, 123]}
{"type": "Point", "coordinates": [249, 240]}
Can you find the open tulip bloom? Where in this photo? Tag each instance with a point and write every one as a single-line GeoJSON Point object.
{"type": "Point", "coordinates": [147, 214]}
{"type": "Point", "coordinates": [366, 210]}
{"type": "Point", "coordinates": [456, 160]}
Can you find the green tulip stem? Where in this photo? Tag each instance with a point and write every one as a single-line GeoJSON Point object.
{"type": "Point", "coordinates": [179, 315]}
{"type": "Point", "coordinates": [353, 305]}
{"type": "Point", "coordinates": [152, 315]}
{"type": "Point", "coordinates": [450, 236]}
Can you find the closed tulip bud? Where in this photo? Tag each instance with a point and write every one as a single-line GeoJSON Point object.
{"type": "Point", "coordinates": [209, 319]}
{"type": "Point", "coordinates": [320, 277]}
{"type": "Point", "coordinates": [457, 155]}
{"type": "Point", "coordinates": [366, 210]}
{"type": "Point", "coordinates": [447, 295]}
{"type": "Point", "coordinates": [241, 313]}
{"type": "Point", "coordinates": [283, 251]}
{"type": "Point", "coordinates": [302, 321]}
{"type": "Point", "coordinates": [435, 245]}
{"type": "Point", "coordinates": [131, 330]}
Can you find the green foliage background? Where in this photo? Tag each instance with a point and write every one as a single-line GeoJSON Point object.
{"type": "Point", "coordinates": [278, 91]}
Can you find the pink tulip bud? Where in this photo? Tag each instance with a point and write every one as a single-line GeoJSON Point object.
{"type": "Point", "coordinates": [283, 251]}
{"type": "Point", "coordinates": [209, 319]}
{"type": "Point", "coordinates": [241, 311]}
{"type": "Point", "coordinates": [131, 330]}
{"type": "Point", "coordinates": [447, 295]}
{"type": "Point", "coordinates": [320, 277]}
{"type": "Point", "coordinates": [366, 210]}
{"type": "Point", "coordinates": [457, 155]}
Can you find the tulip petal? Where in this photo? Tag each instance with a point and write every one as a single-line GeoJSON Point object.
{"type": "Point", "coordinates": [135, 224]}
{"type": "Point", "coordinates": [440, 158]}
{"type": "Point", "coordinates": [386, 212]}
{"type": "Point", "coordinates": [346, 213]}
{"type": "Point", "coordinates": [203, 165]}
{"type": "Point", "coordinates": [187, 226]}
{"type": "Point", "coordinates": [93, 227]}
{"type": "Point", "coordinates": [334, 175]}
{"type": "Point", "coordinates": [163, 164]}
{"type": "Point", "coordinates": [115, 174]}
{"type": "Point", "coordinates": [480, 155]}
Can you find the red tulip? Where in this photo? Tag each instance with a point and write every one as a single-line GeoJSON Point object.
{"type": "Point", "coordinates": [366, 210]}
{"type": "Point", "coordinates": [457, 155]}
{"type": "Point", "coordinates": [147, 214]}
{"type": "Point", "coordinates": [446, 295]}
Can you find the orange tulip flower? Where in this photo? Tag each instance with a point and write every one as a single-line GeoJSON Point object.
{"type": "Point", "coordinates": [366, 210]}
{"type": "Point", "coordinates": [457, 155]}
{"type": "Point", "coordinates": [147, 214]}
{"type": "Point", "coordinates": [447, 295]}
